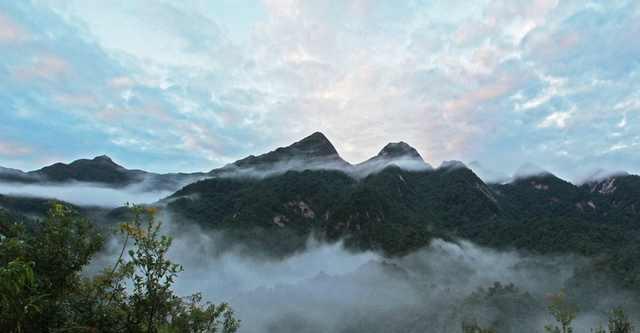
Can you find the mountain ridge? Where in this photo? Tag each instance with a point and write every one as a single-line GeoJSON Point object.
{"type": "Point", "coordinates": [313, 152]}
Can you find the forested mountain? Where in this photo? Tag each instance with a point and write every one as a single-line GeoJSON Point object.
{"type": "Point", "coordinates": [394, 202]}
{"type": "Point", "coordinates": [101, 170]}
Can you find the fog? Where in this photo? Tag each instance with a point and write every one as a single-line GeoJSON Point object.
{"type": "Point", "coordinates": [327, 288]}
{"type": "Point", "coordinates": [357, 171]}
{"type": "Point", "coordinates": [378, 164]}
{"type": "Point", "coordinates": [85, 194]}
{"type": "Point", "coordinates": [272, 169]}
{"type": "Point", "coordinates": [598, 175]}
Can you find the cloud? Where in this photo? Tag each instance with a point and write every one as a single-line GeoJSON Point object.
{"type": "Point", "coordinates": [556, 119]}
{"type": "Point", "coordinates": [487, 81]}
{"type": "Point", "coordinates": [13, 149]}
{"type": "Point", "coordinates": [86, 194]}
{"type": "Point", "coordinates": [48, 67]}
{"type": "Point", "coordinates": [326, 288]}
{"type": "Point", "coordinates": [10, 31]}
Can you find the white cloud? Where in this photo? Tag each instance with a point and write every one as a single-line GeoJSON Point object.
{"type": "Point", "coordinates": [12, 149]}
{"type": "Point", "coordinates": [363, 72]}
{"type": "Point", "coordinates": [556, 119]}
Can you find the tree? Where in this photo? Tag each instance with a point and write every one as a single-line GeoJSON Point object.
{"type": "Point", "coordinates": [192, 315]}
{"type": "Point", "coordinates": [618, 322]}
{"type": "Point", "coordinates": [563, 312]}
{"type": "Point", "coordinates": [41, 265]}
{"type": "Point", "coordinates": [17, 302]}
{"type": "Point", "coordinates": [152, 306]}
{"type": "Point", "coordinates": [42, 290]}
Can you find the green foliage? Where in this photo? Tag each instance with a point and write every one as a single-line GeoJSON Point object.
{"type": "Point", "coordinates": [42, 289]}
{"type": "Point", "coordinates": [152, 273]}
{"type": "Point", "coordinates": [397, 211]}
{"type": "Point", "coordinates": [618, 322]}
{"type": "Point", "coordinates": [563, 311]}
{"type": "Point", "coordinates": [17, 301]}
{"type": "Point", "coordinates": [192, 315]}
{"type": "Point", "coordinates": [151, 306]}
{"type": "Point", "coordinates": [46, 259]}
{"type": "Point", "coordinates": [504, 307]}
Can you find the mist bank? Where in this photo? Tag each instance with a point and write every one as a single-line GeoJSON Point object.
{"type": "Point", "coordinates": [326, 288]}
{"type": "Point", "coordinates": [86, 194]}
{"type": "Point", "coordinates": [357, 171]}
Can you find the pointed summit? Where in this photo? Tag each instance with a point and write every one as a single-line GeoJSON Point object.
{"type": "Point", "coordinates": [399, 150]}
{"type": "Point", "coordinates": [313, 152]}
{"type": "Point", "coordinates": [315, 144]}
{"type": "Point", "coordinates": [398, 154]}
{"type": "Point", "coordinates": [452, 164]}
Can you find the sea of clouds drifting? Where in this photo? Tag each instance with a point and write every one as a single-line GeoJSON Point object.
{"type": "Point", "coordinates": [327, 288]}
{"type": "Point", "coordinates": [85, 194]}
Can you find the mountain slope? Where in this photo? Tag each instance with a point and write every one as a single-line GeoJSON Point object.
{"type": "Point", "coordinates": [101, 170]}
{"type": "Point", "coordinates": [394, 210]}
{"type": "Point", "coordinates": [313, 152]}
{"type": "Point", "coordinates": [398, 154]}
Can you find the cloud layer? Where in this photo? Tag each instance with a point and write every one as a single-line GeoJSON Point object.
{"type": "Point", "coordinates": [329, 289]}
{"type": "Point", "coordinates": [170, 86]}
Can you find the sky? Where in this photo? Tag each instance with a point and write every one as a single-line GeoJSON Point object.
{"type": "Point", "coordinates": [192, 85]}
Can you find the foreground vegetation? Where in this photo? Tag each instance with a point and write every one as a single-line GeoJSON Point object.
{"type": "Point", "coordinates": [42, 288]}
{"type": "Point", "coordinates": [564, 313]}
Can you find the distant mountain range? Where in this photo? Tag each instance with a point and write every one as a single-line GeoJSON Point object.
{"type": "Point", "coordinates": [314, 152]}
{"type": "Point", "coordinates": [394, 202]}
{"type": "Point", "coordinates": [604, 196]}
{"type": "Point", "coordinates": [100, 170]}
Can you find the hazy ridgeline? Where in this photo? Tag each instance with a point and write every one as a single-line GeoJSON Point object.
{"type": "Point", "coordinates": [326, 288]}
{"type": "Point", "coordinates": [85, 194]}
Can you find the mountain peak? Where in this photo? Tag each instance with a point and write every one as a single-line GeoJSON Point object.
{"type": "Point", "coordinates": [453, 164]}
{"type": "Point", "coordinates": [313, 151]}
{"type": "Point", "coordinates": [314, 144]}
{"type": "Point", "coordinates": [399, 150]}
{"type": "Point", "coordinates": [530, 170]}
{"type": "Point", "coordinates": [103, 159]}
{"type": "Point", "coordinates": [599, 175]}
{"type": "Point", "coordinates": [399, 154]}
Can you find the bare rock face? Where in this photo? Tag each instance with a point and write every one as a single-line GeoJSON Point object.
{"type": "Point", "coordinates": [302, 208]}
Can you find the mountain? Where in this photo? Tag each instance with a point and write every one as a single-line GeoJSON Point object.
{"type": "Point", "coordinates": [488, 175]}
{"type": "Point", "coordinates": [399, 154]}
{"type": "Point", "coordinates": [273, 203]}
{"type": "Point", "coordinates": [616, 197]}
{"type": "Point", "coordinates": [394, 201]}
{"type": "Point", "coordinates": [539, 195]}
{"type": "Point", "coordinates": [16, 176]}
{"type": "Point", "coordinates": [395, 207]}
{"type": "Point", "coordinates": [101, 170]}
{"type": "Point", "coordinates": [313, 152]}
